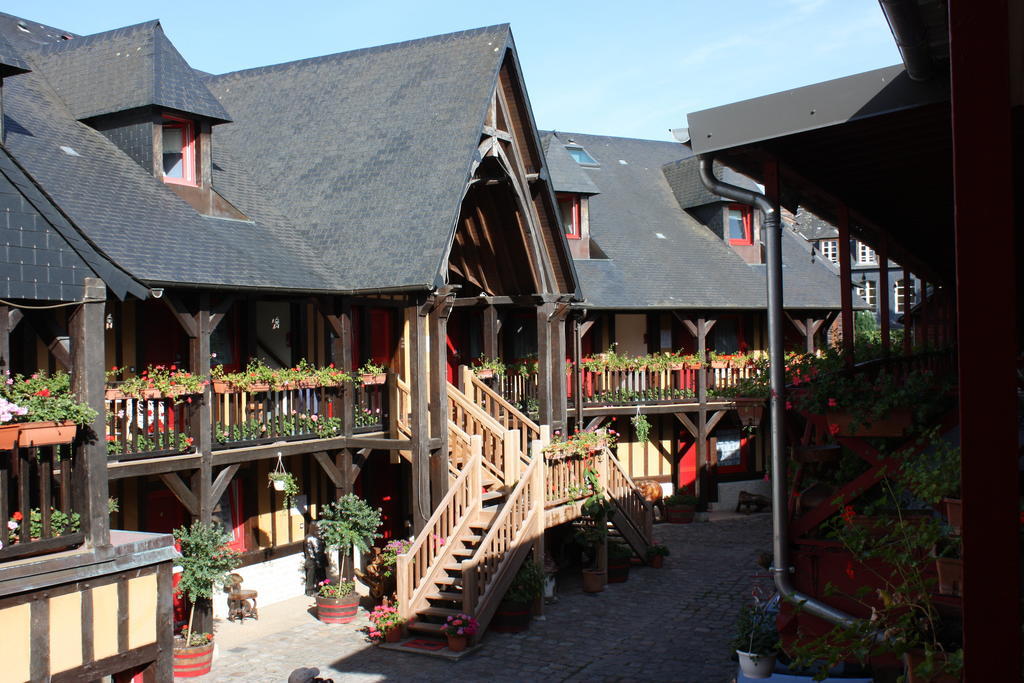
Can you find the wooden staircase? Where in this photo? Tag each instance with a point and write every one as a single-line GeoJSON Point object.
{"type": "Point", "coordinates": [498, 505]}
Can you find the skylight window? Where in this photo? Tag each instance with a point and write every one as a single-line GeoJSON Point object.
{"type": "Point", "coordinates": [580, 155]}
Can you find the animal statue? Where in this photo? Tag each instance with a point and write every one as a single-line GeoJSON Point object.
{"type": "Point", "coordinates": [653, 494]}
{"type": "Point", "coordinates": [753, 502]}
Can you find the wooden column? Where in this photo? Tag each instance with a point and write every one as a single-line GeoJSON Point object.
{"type": "Point", "coordinates": [922, 335]}
{"type": "Point", "coordinates": [845, 283]}
{"type": "Point", "coordinates": [343, 463]}
{"type": "Point", "coordinates": [341, 356]}
{"type": "Point", "coordinates": [883, 293]}
{"type": "Point", "coordinates": [559, 392]}
{"type": "Point", "coordinates": [419, 421]}
{"type": "Point", "coordinates": [490, 332]}
{"type": "Point", "coordinates": [199, 364]}
{"type": "Point", "coordinates": [700, 482]}
{"type": "Point", "coordinates": [983, 194]}
{"type": "Point", "coordinates": [545, 396]}
{"type": "Point", "coordinates": [88, 380]}
{"type": "Point", "coordinates": [440, 309]}
{"type": "Point", "coordinates": [908, 326]}
{"type": "Point", "coordinates": [577, 370]}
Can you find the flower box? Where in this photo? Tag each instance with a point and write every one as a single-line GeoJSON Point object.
{"type": "Point", "coordinates": [221, 387]}
{"type": "Point", "coordinates": [952, 510]}
{"type": "Point", "coordinates": [719, 364]}
{"type": "Point", "coordinates": [750, 412]}
{"type": "Point", "coordinates": [9, 436]}
{"type": "Point", "coordinates": [484, 373]}
{"type": "Point", "coordinates": [374, 379]}
{"type": "Point", "coordinates": [951, 575]}
{"type": "Point", "coordinates": [33, 434]}
{"type": "Point", "coordinates": [894, 424]}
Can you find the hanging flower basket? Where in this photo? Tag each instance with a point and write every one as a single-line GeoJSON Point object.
{"type": "Point", "coordinates": [46, 433]}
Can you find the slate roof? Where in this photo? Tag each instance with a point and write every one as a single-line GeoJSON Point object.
{"type": "Point", "coordinates": [44, 257]}
{"type": "Point", "coordinates": [123, 69]}
{"type": "Point", "coordinates": [812, 226]}
{"type": "Point", "coordinates": [566, 175]}
{"type": "Point", "coordinates": [688, 266]}
{"type": "Point", "coordinates": [684, 179]}
{"type": "Point", "coordinates": [11, 62]}
{"type": "Point", "coordinates": [368, 151]}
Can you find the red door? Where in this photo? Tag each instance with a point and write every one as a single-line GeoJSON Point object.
{"type": "Point", "coordinates": [381, 321]}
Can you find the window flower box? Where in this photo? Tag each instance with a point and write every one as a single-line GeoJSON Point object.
{"type": "Point", "coordinates": [841, 423]}
{"type": "Point", "coordinates": [47, 433]}
{"type": "Point", "coordinates": [376, 378]}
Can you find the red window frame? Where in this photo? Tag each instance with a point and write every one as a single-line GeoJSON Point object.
{"type": "Point", "coordinates": [748, 224]}
{"type": "Point", "coordinates": [188, 150]}
{"type": "Point", "coordinates": [574, 231]}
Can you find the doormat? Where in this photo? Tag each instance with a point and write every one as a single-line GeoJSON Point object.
{"type": "Point", "coordinates": [425, 644]}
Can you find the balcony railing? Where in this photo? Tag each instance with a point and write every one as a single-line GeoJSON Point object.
{"type": "Point", "coordinates": [148, 427]}
{"type": "Point", "coordinates": [36, 502]}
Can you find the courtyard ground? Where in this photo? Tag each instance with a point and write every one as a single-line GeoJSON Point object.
{"type": "Point", "coordinates": [670, 624]}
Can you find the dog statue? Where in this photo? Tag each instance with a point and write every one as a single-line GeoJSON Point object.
{"type": "Point", "coordinates": [653, 494]}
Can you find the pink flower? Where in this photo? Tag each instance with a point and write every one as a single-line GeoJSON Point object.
{"type": "Point", "coordinates": [832, 403]}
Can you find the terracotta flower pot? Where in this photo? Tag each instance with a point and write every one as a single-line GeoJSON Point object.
{"type": "Point", "coordinates": [953, 511]}
{"type": "Point", "coordinates": [259, 386]}
{"type": "Point", "coordinates": [393, 635]}
{"type": "Point", "coordinates": [457, 643]}
{"type": "Point", "coordinates": [594, 580]}
{"type": "Point", "coordinates": [46, 433]}
{"type": "Point", "coordinates": [484, 373]}
{"type": "Point", "coordinates": [220, 386]}
{"type": "Point", "coordinates": [951, 575]}
{"type": "Point", "coordinates": [113, 394]}
{"type": "Point", "coordinates": [680, 514]}
{"type": "Point", "coordinates": [190, 662]}
{"type": "Point", "coordinates": [618, 571]}
{"type": "Point", "coordinates": [657, 561]}
{"type": "Point", "coordinates": [374, 379]}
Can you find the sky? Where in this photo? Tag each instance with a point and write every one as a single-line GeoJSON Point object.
{"type": "Point", "coordinates": [631, 69]}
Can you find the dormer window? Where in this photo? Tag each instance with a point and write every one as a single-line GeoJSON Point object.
{"type": "Point", "coordinates": [569, 205]}
{"type": "Point", "coordinates": [580, 155]}
{"type": "Point", "coordinates": [741, 225]}
{"type": "Point", "coordinates": [179, 151]}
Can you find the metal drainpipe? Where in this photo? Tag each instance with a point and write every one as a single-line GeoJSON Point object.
{"type": "Point", "coordinates": [909, 33]}
{"type": "Point", "coordinates": [773, 246]}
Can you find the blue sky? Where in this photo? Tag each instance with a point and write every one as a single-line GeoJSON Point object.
{"type": "Point", "coordinates": [632, 69]}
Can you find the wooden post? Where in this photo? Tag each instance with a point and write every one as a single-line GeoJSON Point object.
{"type": "Point", "coordinates": [577, 369]}
{"type": "Point", "coordinates": [845, 283]}
{"type": "Point", "coordinates": [419, 424]}
{"type": "Point", "coordinates": [87, 363]}
{"type": "Point", "coordinates": [341, 352]}
{"type": "Point", "coordinates": [438, 323]}
{"type": "Point", "coordinates": [510, 448]}
{"type": "Point", "coordinates": [343, 463]}
{"type": "Point", "coordinates": [907, 291]}
{"type": "Point", "coordinates": [538, 486]}
{"type": "Point", "coordinates": [883, 294]}
{"type": "Point", "coordinates": [490, 331]}
{"type": "Point", "coordinates": [700, 483]}
{"type": "Point", "coordinates": [199, 363]}
{"type": "Point", "coordinates": [545, 397]}
{"type": "Point", "coordinates": [559, 392]}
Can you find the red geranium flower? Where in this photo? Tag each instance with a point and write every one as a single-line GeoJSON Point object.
{"type": "Point", "coordinates": [43, 392]}
{"type": "Point", "coordinates": [16, 516]}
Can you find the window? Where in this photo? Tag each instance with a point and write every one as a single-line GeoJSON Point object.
{"type": "Point", "coordinates": [869, 292]}
{"type": "Point", "coordinates": [741, 229]}
{"type": "Point", "coordinates": [866, 256]}
{"type": "Point", "coordinates": [903, 302]}
{"type": "Point", "coordinates": [569, 205]}
{"type": "Point", "coordinates": [580, 155]}
{"type": "Point", "coordinates": [830, 250]}
{"type": "Point", "coordinates": [179, 151]}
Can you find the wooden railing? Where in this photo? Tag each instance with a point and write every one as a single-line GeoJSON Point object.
{"type": "Point", "coordinates": [563, 479]}
{"type": "Point", "coordinates": [402, 410]}
{"type": "Point", "coordinates": [247, 418]}
{"type": "Point", "coordinates": [487, 575]}
{"type": "Point", "coordinates": [631, 504]}
{"type": "Point", "coordinates": [460, 447]}
{"type": "Point", "coordinates": [500, 409]}
{"type": "Point", "coordinates": [616, 387]}
{"type": "Point", "coordinates": [148, 427]}
{"type": "Point", "coordinates": [424, 562]}
{"type": "Point", "coordinates": [371, 407]}
{"type": "Point", "coordinates": [36, 496]}
{"type": "Point", "coordinates": [724, 377]}
{"type": "Point", "coordinates": [518, 389]}
{"type": "Point", "coordinates": [472, 419]}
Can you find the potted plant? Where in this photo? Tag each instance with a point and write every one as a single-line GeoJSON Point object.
{"type": "Point", "coordinates": [8, 427]}
{"type": "Point", "coordinates": [949, 565]}
{"type": "Point", "coordinates": [641, 425]}
{"type": "Point", "coordinates": [656, 554]}
{"type": "Point", "coordinates": [371, 373]}
{"type": "Point", "coordinates": [285, 482]}
{"type": "Point", "coordinates": [346, 522]}
{"type": "Point", "coordinates": [756, 641]}
{"type": "Point", "coordinates": [458, 628]}
{"type": "Point", "coordinates": [44, 409]}
{"type": "Point", "coordinates": [680, 508]}
{"type": "Point", "coordinates": [592, 532]}
{"type": "Point", "coordinates": [206, 560]}
{"type": "Point", "coordinates": [486, 368]}
{"type": "Point", "coordinates": [386, 624]}
{"type": "Point", "coordinates": [619, 556]}
{"type": "Point", "coordinates": [515, 610]}
{"type": "Point", "coordinates": [934, 476]}
{"type": "Point", "coordinates": [336, 601]}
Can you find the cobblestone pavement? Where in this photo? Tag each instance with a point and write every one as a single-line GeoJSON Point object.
{"type": "Point", "coordinates": [671, 624]}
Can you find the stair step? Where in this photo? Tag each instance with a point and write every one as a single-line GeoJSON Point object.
{"type": "Point", "coordinates": [491, 495]}
{"type": "Point", "coordinates": [453, 567]}
{"type": "Point", "coordinates": [425, 627]}
{"type": "Point", "coordinates": [439, 612]}
{"type": "Point", "coordinates": [484, 518]}
{"type": "Point", "coordinates": [445, 595]}
{"type": "Point", "coordinates": [471, 538]}
{"type": "Point", "coordinates": [447, 580]}
{"type": "Point", "coordinates": [463, 552]}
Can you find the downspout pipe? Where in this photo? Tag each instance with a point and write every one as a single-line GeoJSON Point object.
{"type": "Point", "coordinates": [908, 32]}
{"type": "Point", "coordinates": [772, 228]}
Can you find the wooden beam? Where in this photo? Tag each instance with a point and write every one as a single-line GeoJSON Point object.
{"type": "Point", "coordinates": [883, 293]}
{"type": "Point", "coordinates": [688, 423]}
{"type": "Point", "coordinates": [220, 310]}
{"type": "Point", "coordinates": [181, 491]}
{"type": "Point", "coordinates": [220, 484]}
{"type": "Point", "coordinates": [545, 395]}
{"type": "Point", "coordinates": [585, 326]}
{"type": "Point", "coordinates": [908, 320]}
{"type": "Point", "coordinates": [331, 469]}
{"type": "Point", "coordinates": [491, 326]}
{"type": "Point", "coordinates": [438, 325]}
{"type": "Point", "coordinates": [800, 327]}
{"type": "Point", "coordinates": [181, 314]}
{"type": "Point", "coordinates": [595, 423]}
{"type": "Point", "coordinates": [199, 364]}
{"type": "Point", "coordinates": [715, 419]}
{"type": "Point", "coordinates": [358, 462]}
{"type": "Point", "coordinates": [845, 283]}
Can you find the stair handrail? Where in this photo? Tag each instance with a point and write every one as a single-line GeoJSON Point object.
{"type": "Point", "coordinates": [487, 574]}
{"type": "Point", "coordinates": [416, 568]}
{"type": "Point", "coordinates": [628, 499]}
{"type": "Point", "coordinates": [494, 434]}
{"type": "Point", "coordinates": [529, 431]}
{"type": "Point", "coordinates": [403, 401]}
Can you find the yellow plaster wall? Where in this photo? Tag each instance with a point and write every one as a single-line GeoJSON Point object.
{"type": "Point", "coordinates": [16, 642]}
{"type": "Point", "coordinates": [104, 621]}
{"type": "Point", "coordinates": [142, 595]}
{"type": "Point", "coordinates": [65, 632]}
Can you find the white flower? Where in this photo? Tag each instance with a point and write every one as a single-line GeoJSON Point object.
{"type": "Point", "coordinates": [12, 525]}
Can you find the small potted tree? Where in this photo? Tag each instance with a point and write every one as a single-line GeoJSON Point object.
{"type": "Point", "coordinates": [514, 611]}
{"type": "Point", "coordinates": [206, 561]}
{"type": "Point", "coordinates": [756, 641]}
{"type": "Point", "coordinates": [656, 554]}
{"type": "Point", "coordinates": [619, 556]}
{"type": "Point", "coordinates": [336, 601]}
{"type": "Point", "coordinates": [680, 508]}
{"type": "Point", "coordinates": [343, 524]}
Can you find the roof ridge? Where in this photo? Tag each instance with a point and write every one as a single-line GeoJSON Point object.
{"type": "Point", "coordinates": [365, 50]}
{"type": "Point", "coordinates": [565, 133]}
{"type": "Point", "coordinates": [78, 41]}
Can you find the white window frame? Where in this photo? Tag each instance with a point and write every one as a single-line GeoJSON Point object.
{"type": "Point", "coordinates": [866, 256]}
{"type": "Point", "coordinates": [898, 292]}
{"type": "Point", "coordinates": [830, 250]}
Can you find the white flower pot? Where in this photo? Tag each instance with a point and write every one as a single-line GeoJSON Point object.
{"type": "Point", "coordinates": [279, 484]}
{"type": "Point", "coordinates": [756, 666]}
